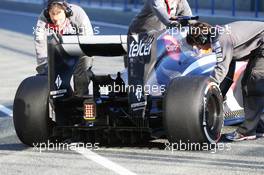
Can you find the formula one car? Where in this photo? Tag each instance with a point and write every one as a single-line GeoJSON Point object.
{"type": "Point", "coordinates": [166, 92]}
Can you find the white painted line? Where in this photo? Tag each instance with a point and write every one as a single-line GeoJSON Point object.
{"type": "Point", "coordinates": [35, 15]}
{"type": "Point", "coordinates": [6, 110]}
{"type": "Point", "coordinates": [87, 153]}
{"type": "Point", "coordinates": [103, 161]}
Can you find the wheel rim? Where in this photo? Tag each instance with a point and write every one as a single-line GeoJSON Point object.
{"type": "Point", "coordinates": [213, 118]}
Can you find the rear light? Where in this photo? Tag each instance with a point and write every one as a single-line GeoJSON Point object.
{"type": "Point", "coordinates": [89, 111]}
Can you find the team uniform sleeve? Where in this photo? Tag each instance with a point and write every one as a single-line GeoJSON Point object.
{"type": "Point", "coordinates": [84, 23]}
{"type": "Point", "coordinates": [184, 9]}
{"type": "Point", "coordinates": [160, 11]}
{"type": "Point", "coordinates": [224, 55]}
{"type": "Point", "coordinates": [40, 40]}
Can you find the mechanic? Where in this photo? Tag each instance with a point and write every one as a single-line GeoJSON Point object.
{"type": "Point", "coordinates": [156, 15]}
{"type": "Point", "coordinates": [63, 19]}
{"type": "Point", "coordinates": [238, 41]}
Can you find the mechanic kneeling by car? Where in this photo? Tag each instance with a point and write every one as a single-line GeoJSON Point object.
{"type": "Point", "coordinates": [243, 41]}
{"type": "Point", "coordinates": [63, 18]}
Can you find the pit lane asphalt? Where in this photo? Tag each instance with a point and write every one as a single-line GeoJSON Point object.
{"type": "Point", "coordinates": [17, 62]}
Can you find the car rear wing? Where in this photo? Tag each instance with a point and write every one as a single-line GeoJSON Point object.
{"type": "Point", "coordinates": [100, 45]}
{"type": "Point", "coordinates": [64, 53]}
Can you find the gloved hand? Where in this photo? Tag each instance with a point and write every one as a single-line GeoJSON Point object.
{"type": "Point", "coordinates": [174, 24]}
{"type": "Point", "coordinates": [179, 21]}
{"type": "Point", "coordinates": [42, 69]}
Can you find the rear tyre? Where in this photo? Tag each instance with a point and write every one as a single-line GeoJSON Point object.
{"type": "Point", "coordinates": [193, 110]}
{"type": "Point", "coordinates": [32, 123]}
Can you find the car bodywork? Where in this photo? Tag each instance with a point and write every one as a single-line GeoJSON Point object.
{"type": "Point", "coordinates": [132, 102]}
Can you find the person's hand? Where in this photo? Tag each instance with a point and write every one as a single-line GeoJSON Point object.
{"type": "Point", "coordinates": [181, 20]}
{"type": "Point", "coordinates": [174, 24]}
{"type": "Point", "coordinates": [173, 18]}
{"type": "Point", "coordinates": [42, 69]}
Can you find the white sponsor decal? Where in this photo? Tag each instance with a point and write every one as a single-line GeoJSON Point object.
{"type": "Point", "coordinates": [136, 105]}
{"type": "Point", "coordinates": [62, 91]}
{"type": "Point", "coordinates": [138, 93]}
{"type": "Point", "coordinates": [58, 81]}
{"type": "Point", "coordinates": [57, 96]}
{"type": "Point", "coordinates": [139, 49]}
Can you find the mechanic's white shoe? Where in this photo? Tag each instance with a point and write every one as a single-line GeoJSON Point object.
{"type": "Point", "coordinates": [236, 136]}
